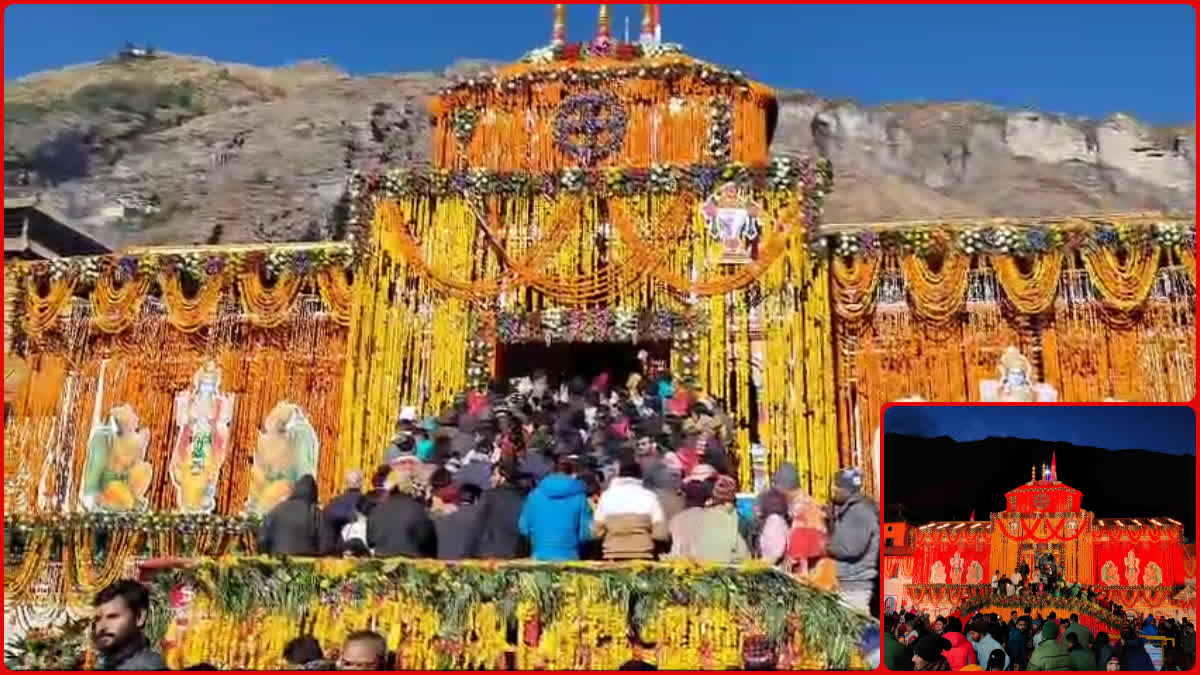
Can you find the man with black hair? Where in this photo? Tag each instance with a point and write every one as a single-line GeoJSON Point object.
{"type": "Point", "coordinates": [1080, 631]}
{"type": "Point", "coordinates": [119, 614]}
{"type": "Point", "coordinates": [363, 650]}
{"type": "Point", "coordinates": [304, 653]}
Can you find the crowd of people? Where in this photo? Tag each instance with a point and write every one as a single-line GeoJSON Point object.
{"type": "Point", "coordinates": [1029, 641]}
{"type": "Point", "coordinates": [581, 471]}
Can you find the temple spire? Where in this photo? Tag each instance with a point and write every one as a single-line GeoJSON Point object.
{"type": "Point", "coordinates": [647, 34]}
{"type": "Point", "coordinates": [1054, 466]}
{"type": "Point", "coordinates": [559, 35]}
{"type": "Point", "coordinates": [603, 23]}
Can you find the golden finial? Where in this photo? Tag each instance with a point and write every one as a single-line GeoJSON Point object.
{"type": "Point", "coordinates": [1033, 474]}
{"type": "Point", "coordinates": [647, 21]}
{"type": "Point", "coordinates": [604, 23]}
{"type": "Point", "coordinates": [559, 36]}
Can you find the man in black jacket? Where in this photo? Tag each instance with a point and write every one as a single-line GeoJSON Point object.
{"type": "Point", "coordinates": [400, 525]}
{"type": "Point", "coordinates": [294, 526]}
{"type": "Point", "coordinates": [119, 614]}
{"type": "Point", "coordinates": [340, 511]}
{"type": "Point", "coordinates": [497, 535]}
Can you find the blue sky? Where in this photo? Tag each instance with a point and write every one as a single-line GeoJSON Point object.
{"type": "Point", "coordinates": [1163, 428]}
{"type": "Point", "coordinates": [1089, 60]}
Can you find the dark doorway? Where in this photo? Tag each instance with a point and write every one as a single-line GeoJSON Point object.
{"type": "Point", "coordinates": [564, 360]}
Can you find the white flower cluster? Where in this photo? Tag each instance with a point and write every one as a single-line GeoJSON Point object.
{"type": "Point", "coordinates": [1168, 234]}
{"type": "Point", "coordinates": [1005, 239]}
{"type": "Point", "coordinates": [661, 49]}
{"type": "Point", "coordinates": [847, 245]}
{"type": "Point", "coordinates": [60, 268]}
{"type": "Point", "coordinates": [662, 178]}
{"type": "Point", "coordinates": [971, 241]}
{"type": "Point", "coordinates": [540, 56]}
{"type": "Point", "coordinates": [720, 128]}
{"type": "Point", "coordinates": [782, 172]}
{"type": "Point", "coordinates": [572, 179]}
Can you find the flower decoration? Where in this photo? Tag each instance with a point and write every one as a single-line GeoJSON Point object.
{"type": "Point", "coordinates": [1004, 240]}
{"type": "Point", "coordinates": [590, 126]}
{"type": "Point", "coordinates": [60, 268]}
{"type": "Point", "coordinates": [918, 241]}
{"type": "Point", "coordinates": [662, 179]}
{"type": "Point", "coordinates": [971, 242]}
{"type": "Point", "coordinates": [847, 245]}
{"type": "Point", "coordinates": [720, 128]}
{"type": "Point", "coordinates": [1168, 235]}
{"type": "Point", "coordinates": [463, 121]}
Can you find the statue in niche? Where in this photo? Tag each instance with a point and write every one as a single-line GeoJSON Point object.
{"type": "Point", "coordinates": [1015, 383]}
{"type": "Point", "coordinates": [116, 474]}
{"type": "Point", "coordinates": [287, 449]}
{"type": "Point", "coordinates": [203, 414]}
{"type": "Point", "coordinates": [732, 217]}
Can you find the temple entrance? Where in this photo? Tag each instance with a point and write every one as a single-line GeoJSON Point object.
{"type": "Point", "coordinates": [564, 360]}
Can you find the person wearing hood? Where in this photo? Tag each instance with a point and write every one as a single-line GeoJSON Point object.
{"type": "Point", "coordinates": [961, 652]}
{"type": "Point", "coordinates": [399, 526]}
{"type": "Point", "coordinates": [984, 643]}
{"type": "Point", "coordinates": [497, 534]}
{"type": "Point", "coordinates": [294, 526]}
{"type": "Point", "coordinates": [854, 543]}
{"type": "Point", "coordinates": [928, 652]}
{"type": "Point", "coordinates": [556, 516]}
{"type": "Point", "coordinates": [1133, 652]}
{"type": "Point", "coordinates": [629, 517]}
{"type": "Point", "coordinates": [1050, 654]}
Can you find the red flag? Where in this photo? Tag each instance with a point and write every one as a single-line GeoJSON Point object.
{"type": "Point", "coordinates": [972, 515]}
{"type": "Point", "coordinates": [1054, 466]}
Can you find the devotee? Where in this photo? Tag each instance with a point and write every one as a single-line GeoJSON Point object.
{"type": "Point", "coordinates": [896, 654]}
{"type": "Point", "coordinates": [929, 653]}
{"type": "Point", "coordinates": [629, 518]}
{"type": "Point", "coordinates": [294, 526]}
{"type": "Point", "coordinates": [1133, 652]}
{"type": "Point", "coordinates": [997, 660]}
{"type": "Point", "coordinates": [457, 530]}
{"type": "Point", "coordinates": [1016, 645]}
{"type": "Point", "coordinates": [980, 636]}
{"type": "Point", "coordinates": [304, 653]}
{"type": "Point", "coordinates": [119, 614]}
{"type": "Point", "coordinates": [854, 542]}
{"type": "Point", "coordinates": [1081, 657]}
{"type": "Point", "coordinates": [340, 511]}
{"type": "Point", "coordinates": [961, 653]}
{"type": "Point", "coordinates": [497, 535]}
{"type": "Point", "coordinates": [363, 650]}
{"type": "Point", "coordinates": [556, 516]}
{"type": "Point", "coordinates": [721, 538]}
{"type": "Point", "coordinates": [400, 525]}
{"type": "Point", "coordinates": [1050, 654]}
{"type": "Point", "coordinates": [776, 527]}
{"type": "Point", "coordinates": [1079, 630]}
{"type": "Point", "coordinates": [687, 527]}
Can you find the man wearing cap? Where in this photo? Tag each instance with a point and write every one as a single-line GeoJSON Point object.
{"type": "Point", "coordinates": [854, 543]}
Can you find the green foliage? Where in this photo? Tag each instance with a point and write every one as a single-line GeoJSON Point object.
{"type": "Point", "coordinates": [24, 113]}
{"type": "Point", "coordinates": [765, 599]}
{"type": "Point", "coordinates": [54, 649]}
{"type": "Point", "coordinates": [131, 96]}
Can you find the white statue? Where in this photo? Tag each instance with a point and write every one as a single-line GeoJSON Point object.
{"type": "Point", "coordinates": [1015, 382]}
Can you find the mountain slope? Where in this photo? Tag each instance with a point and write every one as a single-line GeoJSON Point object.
{"type": "Point", "coordinates": [167, 149]}
{"type": "Point", "coordinates": [943, 479]}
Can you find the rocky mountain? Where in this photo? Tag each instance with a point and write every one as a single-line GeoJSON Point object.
{"type": "Point", "coordinates": [171, 149]}
{"type": "Point", "coordinates": [944, 479]}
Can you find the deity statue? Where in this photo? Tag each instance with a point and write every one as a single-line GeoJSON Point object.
{"type": "Point", "coordinates": [202, 415]}
{"type": "Point", "coordinates": [937, 573]}
{"type": "Point", "coordinates": [1153, 575]}
{"type": "Point", "coordinates": [1109, 574]}
{"type": "Point", "coordinates": [116, 474]}
{"type": "Point", "coordinates": [1133, 565]}
{"type": "Point", "coordinates": [732, 218]}
{"type": "Point", "coordinates": [1015, 382]}
{"type": "Point", "coordinates": [975, 573]}
{"type": "Point", "coordinates": [288, 448]}
{"type": "Point", "coordinates": [956, 567]}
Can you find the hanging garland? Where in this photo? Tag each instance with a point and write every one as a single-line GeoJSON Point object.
{"type": "Point", "coordinates": [755, 599]}
{"type": "Point", "coordinates": [1031, 293]}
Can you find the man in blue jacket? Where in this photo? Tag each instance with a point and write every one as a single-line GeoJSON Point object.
{"type": "Point", "coordinates": [1017, 638]}
{"type": "Point", "coordinates": [556, 516]}
{"type": "Point", "coordinates": [1133, 652]}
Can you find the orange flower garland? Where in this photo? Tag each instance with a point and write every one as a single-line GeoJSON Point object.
{"type": "Point", "coordinates": [113, 309]}
{"type": "Point", "coordinates": [1123, 285]}
{"type": "Point", "coordinates": [937, 297]}
{"type": "Point", "coordinates": [1033, 293]}
{"type": "Point", "coordinates": [268, 307]}
{"type": "Point", "coordinates": [191, 314]}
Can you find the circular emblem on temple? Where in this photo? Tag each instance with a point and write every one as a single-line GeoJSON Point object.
{"type": "Point", "coordinates": [1041, 502]}
{"type": "Point", "coordinates": [590, 127]}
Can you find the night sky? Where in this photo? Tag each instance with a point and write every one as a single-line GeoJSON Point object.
{"type": "Point", "coordinates": [941, 463]}
{"type": "Point", "coordinates": [1170, 429]}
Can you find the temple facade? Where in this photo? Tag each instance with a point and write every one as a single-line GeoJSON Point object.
{"type": "Point", "coordinates": [1143, 564]}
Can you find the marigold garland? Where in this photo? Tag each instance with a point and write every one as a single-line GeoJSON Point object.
{"type": "Point", "coordinates": [268, 307]}
{"type": "Point", "coordinates": [113, 309]}
{"type": "Point", "coordinates": [938, 297]}
{"type": "Point", "coordinates": [1031, 293]}
{"type": "Point", "coordinates": [1123, 285]}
